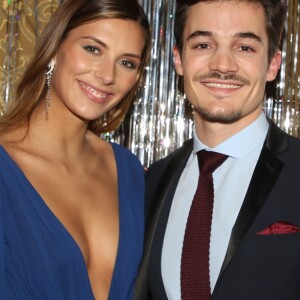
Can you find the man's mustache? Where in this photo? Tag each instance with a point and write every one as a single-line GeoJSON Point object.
{"type": "Point", "coordinates": [220, 76]}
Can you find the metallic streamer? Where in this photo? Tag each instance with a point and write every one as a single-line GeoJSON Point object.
{"type": "Point", "coordinates": [161, 122]}
{"type": "Point", "coordinates": [158, 124]}
{"type": "Point", "coordinates": [288, 89]}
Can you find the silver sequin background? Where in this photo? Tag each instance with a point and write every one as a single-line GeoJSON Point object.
{"type": "Point", "coordinates": [161, 120]}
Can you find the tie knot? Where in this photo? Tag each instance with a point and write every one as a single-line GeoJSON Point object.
{"type": "Point", "coordinates": [209, 160]}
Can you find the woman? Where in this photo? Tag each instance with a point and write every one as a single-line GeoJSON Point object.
{"type": "Point", "coordinates": [71, 204]}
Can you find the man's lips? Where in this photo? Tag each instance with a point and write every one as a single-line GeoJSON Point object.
{"type": "Point", "coordinates": [218, 80]}
{"type": "Point", "coordinates": [220, 85]}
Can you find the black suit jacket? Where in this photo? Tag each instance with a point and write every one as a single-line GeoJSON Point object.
{"type": "Point", "coordinates": [256, 267]}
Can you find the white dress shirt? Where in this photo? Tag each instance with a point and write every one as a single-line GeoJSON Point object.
{"type": "Point", "coordinates": [231, 181]}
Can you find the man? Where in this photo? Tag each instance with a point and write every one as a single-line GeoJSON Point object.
{"type": "Point", "coordinates": [226, 51]}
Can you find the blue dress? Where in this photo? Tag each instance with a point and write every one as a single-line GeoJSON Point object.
{"type": "Point", "coordinates": [39, 259]}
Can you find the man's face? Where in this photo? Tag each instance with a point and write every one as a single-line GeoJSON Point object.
{"type": "Point", "coordinates": [224, 61]}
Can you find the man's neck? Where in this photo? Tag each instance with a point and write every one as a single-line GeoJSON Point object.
{"type": "Point", "coordinates": [213, 133]}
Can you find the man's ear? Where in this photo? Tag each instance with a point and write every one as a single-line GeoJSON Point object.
{"type": "Point", "coordinates": [274, 66]}
{"type": "Point", "coordinates": [177, 61]}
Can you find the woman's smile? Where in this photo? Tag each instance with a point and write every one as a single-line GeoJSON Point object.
{"type": "Point", "coordinates": [94, 93]}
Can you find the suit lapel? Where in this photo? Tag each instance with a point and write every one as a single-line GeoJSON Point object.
{"type": "Point", "coordinates": [264, 177]}
{"type": "Point", "coordinates": [163, 194]}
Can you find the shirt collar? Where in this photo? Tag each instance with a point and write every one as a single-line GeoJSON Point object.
{"type": "Point", "coordinates": [242, 143]}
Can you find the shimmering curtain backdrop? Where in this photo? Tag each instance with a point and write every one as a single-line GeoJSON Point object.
{"type": "Point", "coordinates": [160, 120]}
{"type": "Point", "coordinates": [21, 23]}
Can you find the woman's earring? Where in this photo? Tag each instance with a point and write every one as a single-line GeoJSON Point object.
{"type": "Point", "coordinates": [50, 68]}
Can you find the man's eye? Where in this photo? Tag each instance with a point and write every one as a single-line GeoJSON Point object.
{"type": "Point", "coordinates": [202, 46]}
{"type": "Point", "coordinates": [246, 49]}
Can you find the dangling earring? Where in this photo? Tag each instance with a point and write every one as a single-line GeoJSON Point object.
{"type": "Point", "coordinates": [50, 68]}
{"type": "Point", "coordinates": [104, 119]}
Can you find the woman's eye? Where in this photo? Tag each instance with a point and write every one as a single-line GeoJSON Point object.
{"type": "Point", "coordinates": [92, 49]}
{"type": "Point", "coordinates": [128, 64]}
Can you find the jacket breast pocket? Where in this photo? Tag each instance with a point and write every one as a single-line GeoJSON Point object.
{"type": "Point", "coordinates": [265, 267]}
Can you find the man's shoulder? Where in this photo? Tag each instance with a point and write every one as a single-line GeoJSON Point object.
{"type": "Point", "coordinates": [284, 146]}
{"type": "Point", "coordinates": [184, 150]}
{"type": "Point", "coordinates": [280, 139]}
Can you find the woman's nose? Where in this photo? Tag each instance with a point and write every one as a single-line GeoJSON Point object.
{"type": "Point", "coordinates": [106, 73]}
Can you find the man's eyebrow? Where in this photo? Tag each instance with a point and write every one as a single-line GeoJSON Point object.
{"type": "Point", "coordinates": [199, 33]}
{"type": "Point", "coordinates": [248, 35]}
{"type": "Point", "coordinates": [243, 35]}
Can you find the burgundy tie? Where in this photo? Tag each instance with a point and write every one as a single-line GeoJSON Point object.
{"type": "Point", "coordinates": [195, 283]}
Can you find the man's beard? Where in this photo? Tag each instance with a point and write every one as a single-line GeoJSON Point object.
{"type": "Point", "coordinates": [220, 117]}
{"type": "Point", "coordinates": [223, 118]}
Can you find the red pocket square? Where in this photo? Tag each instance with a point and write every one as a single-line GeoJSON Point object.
{"type": "Point", "coordinates": [280, 228]}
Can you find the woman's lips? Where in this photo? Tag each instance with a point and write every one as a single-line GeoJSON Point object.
{"type": "Point", "coordinates": [94, 93]}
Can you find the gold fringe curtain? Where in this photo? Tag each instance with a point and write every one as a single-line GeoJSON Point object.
{"type": "Point", "coordinates": [159, 121]}
{"type": "Point", "coordinates": [21, 23]}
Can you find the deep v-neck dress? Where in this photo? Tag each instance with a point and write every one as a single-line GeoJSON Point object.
{"type": "Point", "coordinates": [39, 259]}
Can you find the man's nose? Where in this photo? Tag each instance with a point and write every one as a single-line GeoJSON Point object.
{"type": "Point", "coordinates": [224, 61]}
